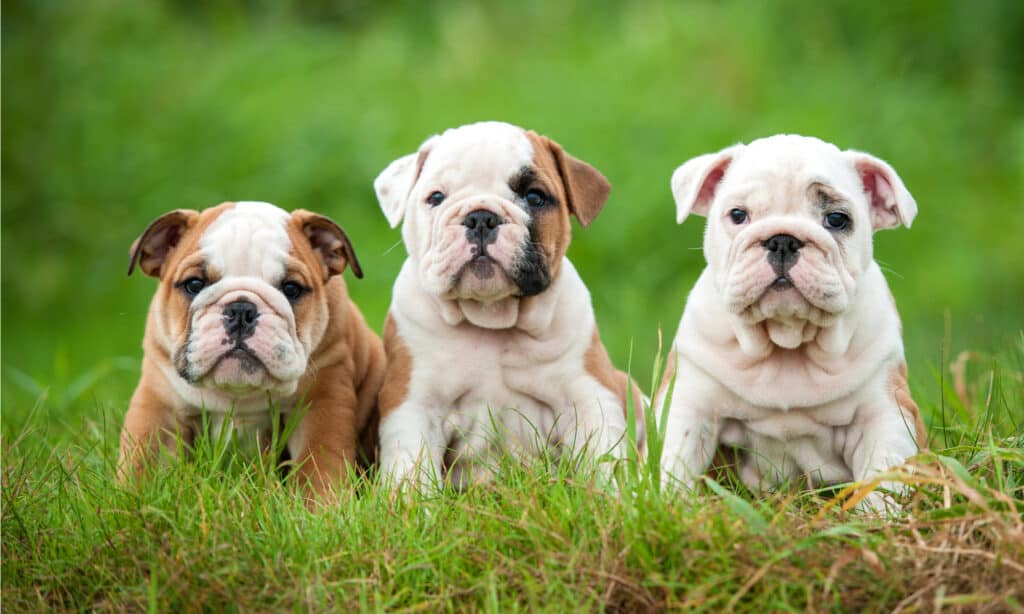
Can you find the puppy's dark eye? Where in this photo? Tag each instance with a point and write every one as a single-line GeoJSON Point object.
{"type": "Point", "coordinates": [738, 216]}
{"type": "Point", "coordinates": [292, 290]}
{"type": "Point", "coordinates": [836, 220]}
{"type": "Point", "coordinates": [536, 199]}
{"type": "Point", "coordinates": [435, 198]}
{"type": "Point", "coordinates": [192, 286]}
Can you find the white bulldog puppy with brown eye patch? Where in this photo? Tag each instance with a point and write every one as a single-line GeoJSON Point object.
{"type": "Point", "coordinates": [252, 313]}
{"type": "Point", "coordinates": [789, 349]}
{"type": "Point", "coordinates": [491, 339]}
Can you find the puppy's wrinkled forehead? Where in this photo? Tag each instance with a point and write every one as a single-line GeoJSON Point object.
{"type": "Point", "coordinates": [789, 161]}
{"type": "Point", "coordinates": [249, 239]}
{"type": "Point", "coordinates": [482, 154]}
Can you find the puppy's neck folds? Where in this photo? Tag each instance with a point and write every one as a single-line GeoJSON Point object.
{"type": "Point", "coordinates": [497, 315]}
{"type": "Point", "coordinates": [533, 315]}
{"type": "Point", "coordinates": [836, 360]}
{"type": "Point", "coordinates": [756, 343]}
{"type": "Point", "coordinates": [759, 340]}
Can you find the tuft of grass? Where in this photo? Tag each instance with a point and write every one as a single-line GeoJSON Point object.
{"type": "Point", "coordinates": [220, 531]}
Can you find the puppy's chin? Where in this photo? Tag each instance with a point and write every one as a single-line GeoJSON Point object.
{"type": "Point", "coordinates": [791, 309]}
{"type": "Point", "coordinates": [781, 302]}
{"type": "Point", "coordinates": [788, 318]}
{"type": "Point", "coordinates": [240, 373]}
{"type": "Point", "coordinates": [482, 279]}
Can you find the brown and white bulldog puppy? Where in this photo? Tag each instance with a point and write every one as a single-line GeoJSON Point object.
{"type": "Point", "coordinates": [790, 347]}
{"type": "Point", "coordinates": [491, 339]}
{"type": "Point", "coordinates": [252, 313]}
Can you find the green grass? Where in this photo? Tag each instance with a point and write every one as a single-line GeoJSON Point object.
{"type": "Point", "coordinates": [220, 531]}
{"type": "Point", "coordinates": [115, 112]}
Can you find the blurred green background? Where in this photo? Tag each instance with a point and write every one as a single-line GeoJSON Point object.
{"type": "Point", "coordinates": [117, 111]}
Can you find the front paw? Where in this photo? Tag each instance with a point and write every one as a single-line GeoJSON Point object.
{"type": "Point", "coordinates": [883, 501]}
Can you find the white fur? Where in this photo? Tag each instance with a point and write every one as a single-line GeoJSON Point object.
{"type": "Point", "coordinates": [248, 240]}
{"type": "Point", "coordinates": [528, 381]}
{"type": "Point", "coordinates": [488, 366]}
{"type": "Point", "coordinates": [799, 378]}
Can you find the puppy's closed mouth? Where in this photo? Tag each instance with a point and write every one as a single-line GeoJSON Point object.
{"type": "Point", "coordinates": [482, 265]}
{"type": "Point", "coordinates": [250, 363]}
{"type": "Point", "coordinates": [781, 283]}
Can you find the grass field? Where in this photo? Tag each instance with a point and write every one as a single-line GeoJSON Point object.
{"type": "Point", "coordinates": [114, 112]}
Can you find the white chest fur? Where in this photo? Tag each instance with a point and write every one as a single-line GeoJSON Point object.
{"type": "Point", "coordinates": [832, 416]}
{"type": "Point", "coordinates": [475, 392]}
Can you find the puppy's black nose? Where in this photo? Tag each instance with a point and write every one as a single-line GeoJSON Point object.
{"type": "Point", "coordinates": [783, 252]}
{"type": "Point", "coordinates": [787, 244]}
{"type": "Point", "coordinates": [482, 226]}
{"type": "Point", "coordinates": [240, 319]}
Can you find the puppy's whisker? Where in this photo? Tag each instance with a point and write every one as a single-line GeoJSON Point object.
{"type": "Point", "coordinates": [888, 269]}
{"type": "Point", "coordinates": [392, 248]}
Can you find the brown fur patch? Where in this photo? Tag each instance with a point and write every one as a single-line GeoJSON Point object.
{"type": "Point", "coordinates": [326, 241]}
{"type": "Point", "coordinates": [598, 364]}
{"type": "Point", "coordinates": [151, 420]}
{"type": "Point", "coordinates": [399, 370]}
{"type": "Point", "coordinates": [586, 189]}
{"type": "Point", "coordinates": [552, 228]}
{"type": "Point", "coordinates": [167, 326]}
{"type": "Point", "coordinates": [343, 379]}
{"type": "Point", "coordinates": [901, 389]}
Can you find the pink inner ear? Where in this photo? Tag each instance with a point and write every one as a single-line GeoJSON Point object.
{"type": "Point", "coordinates": [883, 199]}
{"type": "Point", "coordinates": [874, 186]}
{"type": "Point", "coordinates": [707, 189]}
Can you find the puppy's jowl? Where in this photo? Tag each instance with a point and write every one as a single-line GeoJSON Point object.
{"type": "Point", "coordinates": [252, 312]}
{"type": "Point", "coordinates": [790, 347]}
{"type": "Point", "coordinates": [491, 340]}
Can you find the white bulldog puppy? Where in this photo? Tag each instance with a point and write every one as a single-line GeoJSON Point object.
{"type": "Point", "coordinates": [491, 340]}
{"type": "Point", "coordinates": [789, 349]}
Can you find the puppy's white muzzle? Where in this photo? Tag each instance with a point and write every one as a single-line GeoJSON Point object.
{"type": "Point", "coordinates": [260, 349]}
{"type": "Point", "coordinates": [812, 283]}
{"type": "Point", "coordinates": [474, 245]}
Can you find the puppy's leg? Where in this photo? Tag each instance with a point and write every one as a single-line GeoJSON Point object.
{"type": "Point", "coordinates": [369, 414]}
{"type": "Point", "coordinates": [323, 444]}
{"type": "Point", "coordinates": [595, 422]}
{"type": "Point", "coordinates": [692, 432]}
{"type": "Point", "coordinates": [882, 440]}
{"type": "Point", "coordinates": [412, 446]}
{"type": "Point", "coordinates": [149, 425]}
{"type": "Point", "coordinates": [691, 438]}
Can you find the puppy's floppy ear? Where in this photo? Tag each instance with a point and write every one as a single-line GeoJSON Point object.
{"type": "Point", "coordinates": [694, 183]}
{"type": "Point", "coordinates": [394, 182]}
{"type": "Point", "coordinates": [155, 243]}
{"type": "Point", "coordinates": [891, 202]}
{"type": "Point", "coordinates": [329, 243]}
{"type": "Point", "coordinates": [585, 187]}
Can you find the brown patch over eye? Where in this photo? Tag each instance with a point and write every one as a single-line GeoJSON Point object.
{"type": "Point", "coordinates": [825, 196]}
{"type": "Point", "coordinates": [551, 229]}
